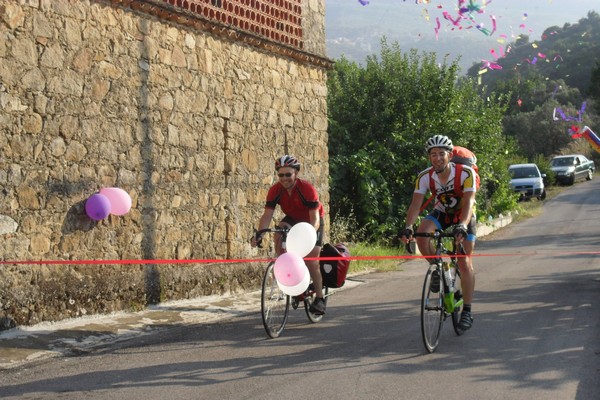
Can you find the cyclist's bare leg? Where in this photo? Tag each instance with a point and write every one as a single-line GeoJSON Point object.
{"type": "Point", "coordinates": [315, 271]}
{"type": "Point", "coordinates": [467, 274]}
{"type": "Point", "coordinates": [424, 243]}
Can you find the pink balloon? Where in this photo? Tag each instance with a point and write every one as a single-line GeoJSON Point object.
{"type": "Point", "coordinates": [296, 289]}
{"type": "Point", "coordinates": [289, 269]}
{"type": "Point", "coordinates": [97, 206]}
{"type": "Point", "coordinates": [120, 201]}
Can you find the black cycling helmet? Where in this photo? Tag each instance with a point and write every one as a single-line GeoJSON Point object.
{"type": "Point", "coordinates": [287, 161]}
{"type": "Point", "coordinates": [439, 141]}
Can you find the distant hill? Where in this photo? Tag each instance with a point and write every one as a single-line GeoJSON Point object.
{"type": "Point", "coordinates": [568, 53]}
{"type": "Point", "coordinates": [355, 31]}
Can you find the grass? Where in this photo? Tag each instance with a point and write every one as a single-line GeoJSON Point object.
{"type": "Point", "coordinates": [533, 208]}
{"type": "Point", "coordinates": [378, 265]}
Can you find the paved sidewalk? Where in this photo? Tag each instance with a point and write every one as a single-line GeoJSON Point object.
{"type": "Point", "coordinates": [21, 345]}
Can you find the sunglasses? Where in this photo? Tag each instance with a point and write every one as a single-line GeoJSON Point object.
{"type": "Point", "coordinates": [287, 175]}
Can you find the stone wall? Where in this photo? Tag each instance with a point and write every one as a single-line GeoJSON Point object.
{"type": "Point", "coordinates": [96, 94]}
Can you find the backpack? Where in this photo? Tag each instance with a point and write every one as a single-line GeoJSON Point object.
{"type": "Point", "coordinates": [334, 271]}
{"type": "Point", "coordinates": [460, 156]}
{"type": "Point", "coordinates": [464, 156]}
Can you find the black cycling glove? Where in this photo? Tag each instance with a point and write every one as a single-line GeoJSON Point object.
{"type": "Point", "coordinates": [460, 229]}
{"type": "Point", "coordinates": [407, 232]}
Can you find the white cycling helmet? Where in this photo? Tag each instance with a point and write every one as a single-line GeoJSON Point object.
{"type": "Point", "coordinates": [287, 161]}
{"type": "Point", "coordinates": [439, 141]}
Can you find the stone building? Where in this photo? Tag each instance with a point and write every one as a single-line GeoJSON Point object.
{"type": "Point", "coordinates": [182, 104]}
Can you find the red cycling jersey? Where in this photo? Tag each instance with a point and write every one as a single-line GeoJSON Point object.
{"type": "Point", "coordinates": [304, 197]}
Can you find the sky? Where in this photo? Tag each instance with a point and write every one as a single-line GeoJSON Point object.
{"type": "Point", "coordinates": [354, 30]}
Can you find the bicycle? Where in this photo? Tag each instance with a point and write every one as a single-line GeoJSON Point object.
{"type": "Point", "coordinates": [444, 301]}
{"type": "Point", "coordinates": [275, 304]}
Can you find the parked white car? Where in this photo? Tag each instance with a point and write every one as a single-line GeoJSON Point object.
{"type": "Point", "coordinates": [527, 181]}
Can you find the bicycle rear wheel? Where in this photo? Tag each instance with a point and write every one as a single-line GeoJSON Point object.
{"type": "Point", "coordinates": [274, 304]}
{"type": "Point", "coordinates": [308, 300]}
{"type": "Point", "coordinates": [432, 311]}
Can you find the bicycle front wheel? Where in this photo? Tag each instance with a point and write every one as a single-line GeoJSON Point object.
{"type": "Point", "coordinates": [457, 308]}
{"type": "Point", "coordinates": [274, 304]}
{"type": "Point", "coordinates": [432, 309]}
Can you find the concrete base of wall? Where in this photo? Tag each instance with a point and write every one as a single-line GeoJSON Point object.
{"type": "Point", "coordinates": [492, 225]}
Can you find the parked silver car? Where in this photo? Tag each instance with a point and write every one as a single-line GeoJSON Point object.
{"type": "Point", "coordinates": [571, 167]}
{"type": "Point", "coordinates": [527, 180]}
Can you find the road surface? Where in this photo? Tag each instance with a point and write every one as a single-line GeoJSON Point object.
{"type": "Point", "coordinates": [536, 335]}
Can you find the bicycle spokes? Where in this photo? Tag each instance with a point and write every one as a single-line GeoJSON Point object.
{"type": "Point", "coordinates": [432, 311]}
{"type": "Point", "coordinates": [274, 304]}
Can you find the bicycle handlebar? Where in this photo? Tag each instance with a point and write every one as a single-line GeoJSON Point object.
{"type": "Point", "coordinates": [276, 229]}
{"type": "Point", "coordinates": [268, 230]}
{"type": "Point", "coordinates": [437, 234]}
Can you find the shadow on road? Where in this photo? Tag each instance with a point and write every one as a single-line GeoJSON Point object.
{"type": "Point", "coordinates": [384, 337]}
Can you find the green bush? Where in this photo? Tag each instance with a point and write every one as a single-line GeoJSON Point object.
{"type": "Point", "coordinates": [380, 116]}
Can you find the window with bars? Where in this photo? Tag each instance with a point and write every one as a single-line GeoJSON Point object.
{"type": "Point", "coordinates": [276, 20]}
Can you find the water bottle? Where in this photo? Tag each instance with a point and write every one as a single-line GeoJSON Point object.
{"type": "Point", "coordinates": [452, 272]}
{"type": "Point", "coordinates": [448, 275]}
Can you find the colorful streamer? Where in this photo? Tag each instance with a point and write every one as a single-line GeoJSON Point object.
{"type": "Point", "coordinates": [565, 117]}
{"type": "Point", "coordinates": [591, 137]}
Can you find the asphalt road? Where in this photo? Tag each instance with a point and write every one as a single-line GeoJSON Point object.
{"type": "Point", "coordinates": [536, 335]}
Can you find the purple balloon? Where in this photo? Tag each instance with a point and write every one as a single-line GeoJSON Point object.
{"type": "Point", "coordinates": [97, 206]}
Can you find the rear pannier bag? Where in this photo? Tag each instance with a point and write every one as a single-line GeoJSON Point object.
{"type": "Point", "coordinates": [334, 271]}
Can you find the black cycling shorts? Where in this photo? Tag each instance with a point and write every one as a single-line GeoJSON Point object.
{"type": "Point", "coordinates": [443, 221]}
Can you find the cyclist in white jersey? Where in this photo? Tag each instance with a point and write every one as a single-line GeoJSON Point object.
{"type": "Point", "coordinates": [454, 206]}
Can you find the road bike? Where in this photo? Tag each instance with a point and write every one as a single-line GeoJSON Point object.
{"type": "Point", "coordinates": [275, 305]}
{"type": "Point", "coordinates": [442, 296]}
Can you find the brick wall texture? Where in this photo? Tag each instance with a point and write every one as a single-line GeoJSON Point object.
{"type": "Point", "coordinates": [189, 122]}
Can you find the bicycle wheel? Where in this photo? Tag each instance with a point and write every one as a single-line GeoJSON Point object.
{"type": "Point", "coordinates": [457, 309]}
{"type": "Point", "coordinates": [432, 311]}
{"type": "Point", "coordinates": [274, 304]}
{"type": "Point", "coordinates": [308, 300]}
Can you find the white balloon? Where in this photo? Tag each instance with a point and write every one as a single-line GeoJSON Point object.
{"type": "Point", "coordinates": [296, 289]}
{"type": "Point", "coordinates": [301, 239]}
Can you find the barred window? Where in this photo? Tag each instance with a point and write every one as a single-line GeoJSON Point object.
{"type": "Point", "coordinates": [277, 20]}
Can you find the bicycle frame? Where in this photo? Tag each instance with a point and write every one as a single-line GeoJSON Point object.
{"type": "Point", "coordinates": [440, 251]}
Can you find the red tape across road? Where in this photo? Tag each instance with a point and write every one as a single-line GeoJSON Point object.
{"type": "Point", "coordinates": [222, 261]}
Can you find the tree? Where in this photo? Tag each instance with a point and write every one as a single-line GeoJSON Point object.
{"type": "Point", "coordinates": [380, 116]}
{"type": "Point", "coordinates": [594, 89]}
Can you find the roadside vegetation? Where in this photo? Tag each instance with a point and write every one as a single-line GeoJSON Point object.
{"type": "Point", "coordinates": [380, 115]}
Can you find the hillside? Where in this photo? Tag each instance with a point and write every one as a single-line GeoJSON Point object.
{"type": "Point", "coordinates": [355, 31]}
{"type": "Point", "coordinates": [568, 53]}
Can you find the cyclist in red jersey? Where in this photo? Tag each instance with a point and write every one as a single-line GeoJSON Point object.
{"type": "Point", "coordinates": [450, 209]}
{"type": "Point", "coordinates": [299, 201]}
